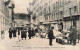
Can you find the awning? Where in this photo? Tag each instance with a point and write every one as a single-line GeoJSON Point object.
{"type": "Point", "coordinates": [70, 18]}
{"type": "Point", "coordinates": [53, 22]}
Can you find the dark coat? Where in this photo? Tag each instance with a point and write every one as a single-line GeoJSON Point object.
{"type": "Point", "coordinates": [33, 33]}
{"type": "Point", "coordinates": [10, 33]}
{"type": "Point", "coordinates": [29, 33]}
{"type": "Point", "coordinates": [73, 34]}
{"type": "Point", "coordinates": [23, 34]}
{"type": "Point", "coordinates": [14, 33]}
{"type": "Point", "coordinates": [50, 34]}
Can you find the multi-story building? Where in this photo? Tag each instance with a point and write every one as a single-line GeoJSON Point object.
{"type": "Point", "coordinates": [11, 7]}
{"type": "Point", "coordinates": [37, 7]}
{"type": "Point", "coordinates": [5, 15]}
{"type": "Point", "coordinates": [62, 14]}
{"type": "Point", "coordinates": [71, 14]}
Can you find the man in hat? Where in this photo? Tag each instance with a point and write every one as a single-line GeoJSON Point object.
{"type": "Point", "coordinates": [51, 35]}
{"type": "Point", "coordinates": [73, 36]}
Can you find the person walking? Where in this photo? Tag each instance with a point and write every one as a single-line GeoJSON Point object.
{"type": "Point", "coordinates": [51, 36]}
{"type": "Point", "coordinates": [73, 36]}
{"type": "Point", "coordinates": [10, 33]}
{"type": "Point", "coordinates": [23, 34]}
{"type": "Point", "coordinates": [14, 32]}
{"type": "Point", "coordinates": [29, 33]}
{"type": "Point", "coordinates": [33, 32]}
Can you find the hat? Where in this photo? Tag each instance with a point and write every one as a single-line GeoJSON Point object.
{"type": "Point", "coordinates": [52, 27]}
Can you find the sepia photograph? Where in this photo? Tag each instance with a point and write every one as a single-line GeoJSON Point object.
{"type": "Point", "coordinates": [39, 24]}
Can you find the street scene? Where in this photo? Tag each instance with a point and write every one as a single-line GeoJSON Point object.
{"type": "Point", "coordinates": [39, 24]}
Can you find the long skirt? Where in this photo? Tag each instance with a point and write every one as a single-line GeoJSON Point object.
{"type": "Point", "coordinates": [23, 35]}
{"type": "Point", "coordinates": [14, 34]}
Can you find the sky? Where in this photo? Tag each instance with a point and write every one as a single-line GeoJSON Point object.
{"type": "Point", "coordinates": [21, 6]}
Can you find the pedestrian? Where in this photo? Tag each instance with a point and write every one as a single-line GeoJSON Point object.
{"type": "Point", "coordinates": [33, 32]}
{"type": "Point", "coordinates": [2, 34]}
{"type": "Point", "coordinates": [14, 32]}
{"type": "Point", "coordinates": [29, 33]}
{"type": "Point", "coordinates": [10, 33]}
{"type": "Point", "coordinates": [51, 36]}
{"type": "Point", "coordinates": [73, 35]}
{"type": "Point", "coordinates": [23, 34]}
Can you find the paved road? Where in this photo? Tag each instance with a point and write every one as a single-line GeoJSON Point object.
{"type": "Point", "coordinates": [34, 43]}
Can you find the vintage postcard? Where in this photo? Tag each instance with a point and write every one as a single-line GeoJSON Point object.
{"type": "Point", "coordinates": [39, 24]}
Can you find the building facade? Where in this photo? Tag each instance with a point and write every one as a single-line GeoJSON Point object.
{"type": "Point", "coordinates": [62, 14]}
{"type": "Point", "coordinates": [5, 15]}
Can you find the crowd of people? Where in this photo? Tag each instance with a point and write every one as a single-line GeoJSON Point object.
{"type": "Point", "coordinates": [30, 32]}
{"type": "Point", "coordinates": [12, 32]}
{"type": "Point", "coordinates": [73, 37]}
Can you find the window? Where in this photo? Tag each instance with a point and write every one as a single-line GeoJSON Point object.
{"type": "Point", "coordinates": [49, 9]}
{"type": "Point", "coordinates": [54, 15]}
{"type": "Point", "coordinates": [47, 18]}
{"type": "Point", "coordinates": [61, 13]}
{"type": "Point", "coordinates": [75, 8]}
{"type": "Point", "coordinates": [44, 11]}
{"type": "Point", "coordinates": [53, 6]}
{"type": "Point", "coordinates": [70, 11]}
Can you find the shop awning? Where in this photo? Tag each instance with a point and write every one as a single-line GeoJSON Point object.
{"type": "Point", "coordinates": [70, 18]}
{"type": "Point", "coordinates": [53, 22]}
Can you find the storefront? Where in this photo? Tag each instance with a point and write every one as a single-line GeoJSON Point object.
{"type": "Point", "coordinates": [71, 21]}
{"type": "Point", "coordinates": [55, 25]}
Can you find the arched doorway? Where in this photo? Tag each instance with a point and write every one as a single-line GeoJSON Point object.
{"type": "Point", "coordinates": [60, 26]}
